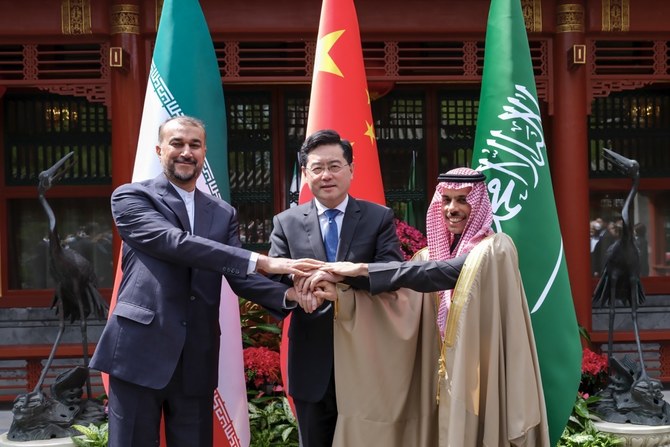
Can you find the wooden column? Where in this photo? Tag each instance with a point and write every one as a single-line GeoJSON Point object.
{"type": "Point", "coordinates": [569, 148]}
{"type": "Point", "coordinates": [128, 77]}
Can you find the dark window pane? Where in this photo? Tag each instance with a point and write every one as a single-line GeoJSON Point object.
{"type": "Point", "coordinates": [296, 111]}
{"type": "Point", "coordinates": [457, 123]}
{"type": "Point", "coordinates": [400, 126]}
{"type": "Point", "coordinates": [635, 124]}
{"type": "Point", "coordinates": [42, 128]}
{"type": "Point", "coordinates": [84, 225]}
{"type": "Point", "coordinates": [250, 165]}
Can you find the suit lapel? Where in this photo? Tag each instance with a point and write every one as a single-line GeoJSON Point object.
{"type": "Point", "coordinates": [313, 231]}
{"type": "Point", "coordinates": [174, 201]}
{"type": "Point", "coordinates": [203, 214]}
{"type": "Point", "coordinates": [351, 218]}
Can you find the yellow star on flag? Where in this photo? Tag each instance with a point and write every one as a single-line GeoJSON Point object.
{"type": "Point", "coordinates": [323, 61]}
{"type": "Point", "coordinates": [370, 132]}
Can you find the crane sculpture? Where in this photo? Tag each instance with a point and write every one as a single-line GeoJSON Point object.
{"type": "Point", "coordinates": [41, 417]}
{"type": "Point", "coordinates": [75, 296]}
{"type": "Point", "coordinates": [631, 396]}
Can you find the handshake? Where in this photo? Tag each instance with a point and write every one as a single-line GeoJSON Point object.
{"type": "Point", "coordinates": [313, 281]}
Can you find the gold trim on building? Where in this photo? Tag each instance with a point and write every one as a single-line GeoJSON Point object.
{"type": "Point", "coordinates": [125, 19]}
{"type": "Point", "coordinates": [616, 15]}
{"type": "Point", "coordinates": [75, 16]}
{"type": "Point", "coordinates": [570, 18]}
{"type": "Point", "coordinates": [532, 15]}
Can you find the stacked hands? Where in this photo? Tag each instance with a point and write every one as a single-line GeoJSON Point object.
{"type": "Point", "coordinates": [313, 281]}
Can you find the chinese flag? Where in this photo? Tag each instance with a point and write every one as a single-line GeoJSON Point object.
{"type": "Point", "coordinates": [340, 101]}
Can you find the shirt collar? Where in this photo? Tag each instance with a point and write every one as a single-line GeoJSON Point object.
{"type": "Point", "coordinates": [320, 208]}
{"type": "Point", "coordinates": [186, 196]}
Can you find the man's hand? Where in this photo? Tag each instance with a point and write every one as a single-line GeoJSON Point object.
{"type": "Point", "coordinates": [285, 266]}
{"type": "Point", "coordinates": [307, 301]}
{"type": "Point", "coordinates": [345, 268]}
{"type": "Point", "coordinates": [310, 282]}
{"type": "Point", "coordinates": [325, 291]}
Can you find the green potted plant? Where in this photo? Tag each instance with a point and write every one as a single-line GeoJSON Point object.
{"type": "Point", "coordinates": [91, 436]}
{"type": "Point", "coordinates": [580, 430]}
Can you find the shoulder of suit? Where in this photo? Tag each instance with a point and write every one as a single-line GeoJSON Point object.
{"type": "Point", "coordinates": [135, 186]}
{"type": "Point", "coordinates": [365, 204]}
{"type": "Point", "coordinates": [298, 210]}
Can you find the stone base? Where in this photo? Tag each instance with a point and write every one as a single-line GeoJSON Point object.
{"type": "Point", "coordinates": [57, 442]}
{"type": "Point", "coordinates": [635, 435]}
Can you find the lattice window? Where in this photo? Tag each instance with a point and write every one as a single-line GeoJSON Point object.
{"type": "Point", "coordinates": [614, 57]}
{"type": "Point", "coordinates": [250, 165]}
{"type": "Point", "coordinates": [400, 126]}
{"type": "Point", "coordinates": [40, 129]}
{"type": "Point", "coordinates": [296, 110]}
{"type": "Point", "coordinates": [456, 127]}
{"type": "Point", "coordinates": [409, 60]}
{"type": "Point", "coordinates": [53, 62]}
{"type": "Point", "coordinates": [635, 124]}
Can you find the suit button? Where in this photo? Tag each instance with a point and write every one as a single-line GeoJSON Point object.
{"type": "Point", "coordinates": [192, 298]}
{"type": "Point", "coordinates": [183, 323]}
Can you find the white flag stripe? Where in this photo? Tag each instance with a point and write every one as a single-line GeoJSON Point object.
{"type": "Point", "coordinates": [232, 386]}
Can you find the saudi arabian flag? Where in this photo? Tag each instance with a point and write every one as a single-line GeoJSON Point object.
{"type": "Point", "coordinates": [510, 149]}
{"type": "Point", "coordinates": [185, 80]}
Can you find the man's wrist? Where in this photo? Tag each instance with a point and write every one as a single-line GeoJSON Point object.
{"type": "Point", "coordinates": [289, 303]}
{"type": "Point", "coordinates": [253, 262]}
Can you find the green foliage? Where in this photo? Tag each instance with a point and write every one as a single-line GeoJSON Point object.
{"type": "Point", "coordinates": [257, 326]}
{"type": "Point", "coordinates": [272, 423]}
{"type": "Point", "coordinates": [91, 436]}
{"type": "Point", "coordinates": [584, 334]}
{"type": "Point", "coordinates": [580, 431]}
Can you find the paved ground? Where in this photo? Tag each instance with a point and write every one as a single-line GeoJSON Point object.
{"type": "Point", "coordinates": [5, 417]}
{"type": "Point", "coordinates": [6, 413]}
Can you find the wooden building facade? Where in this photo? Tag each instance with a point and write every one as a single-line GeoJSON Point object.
{"type": "Point", "coordinates": [73, 75]}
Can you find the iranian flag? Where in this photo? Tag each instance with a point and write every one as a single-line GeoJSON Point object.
{"type": "Point", "coordinates": [340, 100]}
{"type": "Point", "coordinates": [510, 149]}
{"type": "Point", "coordinates": [185, 80]}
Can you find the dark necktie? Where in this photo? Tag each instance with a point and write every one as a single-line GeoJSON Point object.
{"type": "Point", "coordinates": [331, 238]}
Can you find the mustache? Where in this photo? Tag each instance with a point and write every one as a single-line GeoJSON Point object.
{"type": "Point", "coordinates": [184, 160]}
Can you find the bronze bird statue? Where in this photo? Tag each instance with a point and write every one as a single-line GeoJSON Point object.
{"type": "Point", "coordinates": [76, 295]}
{"type": "Point", "coordinates": [620, 278]}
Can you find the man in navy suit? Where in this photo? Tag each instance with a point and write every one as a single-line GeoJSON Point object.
{"type": "Point", "coordinates": [366, 233]}
{"type": "Point", "coordinates": [161, 343]}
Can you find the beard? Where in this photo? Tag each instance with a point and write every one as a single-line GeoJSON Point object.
{"type": "Point", "coordinates": [182, 174]}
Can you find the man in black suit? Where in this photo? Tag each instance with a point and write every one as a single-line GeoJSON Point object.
{"type": "Point", "coordinates": [366, 234]}
{"type": "Point", "coordinates": [161, 343]}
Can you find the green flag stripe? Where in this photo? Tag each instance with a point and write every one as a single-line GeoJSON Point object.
{"type": "Point", "coordinates": [510, 150]}
{"type": "Point", "coordinates": [188, 60]}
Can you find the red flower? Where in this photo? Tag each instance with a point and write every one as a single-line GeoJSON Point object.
{"type": "Point", "coordinates": [594, 372]}
{"type": "Point", "coordinates": [261, 366]}
{"type": "Point", "coordinates": [411, 239]}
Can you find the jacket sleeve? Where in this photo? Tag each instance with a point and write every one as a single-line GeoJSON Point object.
{"type": "Point", "coordinates": [422, 276]}
{"type": "Point", "coordinates": [145, 228]}
{"type": "Point", "coordinates": [387, 249]}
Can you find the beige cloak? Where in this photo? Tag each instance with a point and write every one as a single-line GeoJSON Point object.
{"type": "Point", "coordinates": [386, 362]}
{"type": "Point", "coordinates": [490, 386]}
{"type": "Point", "coordinates": [386, 352]}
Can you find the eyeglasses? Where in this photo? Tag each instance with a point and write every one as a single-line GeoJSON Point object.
{"type": "Point", "coordinates": [319, 170]}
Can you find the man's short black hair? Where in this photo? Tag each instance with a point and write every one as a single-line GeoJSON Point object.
{"type": "Point", "coordinates": [322, 138]}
